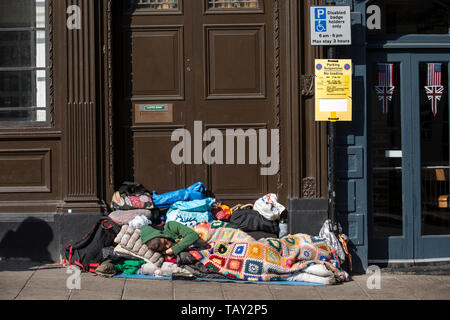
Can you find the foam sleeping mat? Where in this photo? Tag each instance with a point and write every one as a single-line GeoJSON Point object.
{"type": "Point", "coordinates": [284, 283]}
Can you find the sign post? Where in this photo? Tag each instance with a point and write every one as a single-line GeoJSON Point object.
{"type": "Point", "coordinates": [331, 26]}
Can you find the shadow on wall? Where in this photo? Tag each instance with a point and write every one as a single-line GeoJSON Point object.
{"type": "Point", "coordinates": [30, 241]}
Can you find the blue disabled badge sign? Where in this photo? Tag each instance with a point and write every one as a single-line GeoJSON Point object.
{"type": "Point", "coordinates": [331, 26]}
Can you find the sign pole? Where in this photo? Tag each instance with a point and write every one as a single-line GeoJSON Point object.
{"type": "Point", "coordinates": [331, 26]}
{"type": "Point", "coordinates": [332, 160]}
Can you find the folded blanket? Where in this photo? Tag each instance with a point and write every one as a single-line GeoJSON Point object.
{"type": "Point", "coordinates": [123, 217]}
{"type": "Point", "coordinates": [268, 259]}
{"type": "Point", "coordinates": [129, 242]}
{"type": "Point", "coordinates": [191, 213]}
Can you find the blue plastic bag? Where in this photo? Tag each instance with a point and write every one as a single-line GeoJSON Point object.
{"type": "Point", "coordinates": [191, 213]}
{"type": "Point", "coordinates": [195, 192]}
{"type": "Point", "coordinates": [199, 205]}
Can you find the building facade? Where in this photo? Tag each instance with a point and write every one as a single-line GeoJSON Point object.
{"type": "Point", "coordinates": [92, 92]}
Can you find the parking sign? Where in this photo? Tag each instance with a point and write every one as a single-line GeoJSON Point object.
{"type": "Point", "coordinates": [321, 26]}
{"type": "Point", "coordinates": [333, 90]}
{"type": "Point", "coordinates": [330, 26]}
{"type": "Point", "coordinates": [320, 13]}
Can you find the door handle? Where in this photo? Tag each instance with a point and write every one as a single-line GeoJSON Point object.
{"type": "Point", "coordinates": [188, 65]}
{"type": "Point", "coordinates": [393, 153]}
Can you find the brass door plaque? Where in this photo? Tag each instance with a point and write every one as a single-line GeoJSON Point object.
{"type": "Point", "coordinates": [153, 113]}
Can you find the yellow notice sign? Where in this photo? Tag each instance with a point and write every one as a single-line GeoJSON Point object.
{"type": "Point", "coordinates": [333, 89]}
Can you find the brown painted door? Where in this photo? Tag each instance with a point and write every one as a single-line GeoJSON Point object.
{"type": "Point", "coordinates": [199, 65]}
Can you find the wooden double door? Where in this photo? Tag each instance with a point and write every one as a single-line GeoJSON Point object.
{"type": "Point", "coordinates": [196, 65]}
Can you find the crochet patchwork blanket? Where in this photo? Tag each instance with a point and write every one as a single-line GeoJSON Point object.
{"type": "Point", "coordinates": [221, 231]}
{"type": "Point", "coordinates": [236, 255]}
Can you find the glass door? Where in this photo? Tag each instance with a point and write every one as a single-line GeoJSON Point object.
{"type": "Point", "coordinates": [408, 131]}
{"type": "Point", "coordinates": [389, 179]}
{"type": "Point", "coordinates": [430, 84]}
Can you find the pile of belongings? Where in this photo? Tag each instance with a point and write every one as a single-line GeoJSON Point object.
{"type": "Point", "coordinates": [240, 242]}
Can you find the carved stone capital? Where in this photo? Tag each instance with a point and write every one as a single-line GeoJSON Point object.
{"type": "Point", "coordinates": [307, 84]}
{"type": "Point", "coordinates": [309, 187]}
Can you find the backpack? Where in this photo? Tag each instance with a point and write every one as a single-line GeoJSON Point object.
{"type": "Point", "coordinates": [87, 252]}
{"type": "Point", "coordinates": [132, 196]}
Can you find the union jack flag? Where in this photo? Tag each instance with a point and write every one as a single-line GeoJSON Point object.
{"type": "Point", "coordinates": [385, 88]}
{"type": "Point", "coordinates": [434, 88]}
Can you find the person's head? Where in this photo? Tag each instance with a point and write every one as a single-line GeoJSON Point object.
{"type": "Point", "coordinates": [159, 244]}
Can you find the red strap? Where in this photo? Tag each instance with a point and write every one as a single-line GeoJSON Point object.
{"type": "Point", "coordinates": [103, 226]}
{"type": "Point", "coordinates": [65, 258]}
{"type": "Point", "coordinates": [93, 267]}
{"type": "Point", "coordinates": [79, 264]}
{"type": "Point", "coordinates": [70, 256]}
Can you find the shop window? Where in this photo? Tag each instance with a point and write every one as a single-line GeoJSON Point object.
{"type": "Point", "coordinates": [434, 147]}
{"type": "Point", "coordinates": [386, 150]}
{"type": "Point", "coordinates": [233, 4]}
{"type": "Point", "coordinates": [23, 62]}
{"type": "Point", "coordinates": [409, 17]}
{"type": "Point", "coordinates": [157, 4]}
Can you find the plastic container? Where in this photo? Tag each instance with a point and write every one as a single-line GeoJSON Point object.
{"type": "Point", "coordinates": [283, 228]}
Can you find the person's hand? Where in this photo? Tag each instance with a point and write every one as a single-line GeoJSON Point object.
{"type": "Point", "coordinates": [169, 253]}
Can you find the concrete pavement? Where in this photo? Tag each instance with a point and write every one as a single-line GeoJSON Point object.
{"type": "Point", "coordinates": [25, 281]}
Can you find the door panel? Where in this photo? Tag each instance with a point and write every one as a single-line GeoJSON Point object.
{"type": "Point", "coordinates": [151, 164]}
{"type": "Point", "coordinates": [235, 89]}
{"type": "Point", "coordinates": [235, 67]}
{"type": "Point", "coordinates": [431, 161]}
{"type": "Point", "coordinates": [201, 61]}
{"type": "Point", "coordinates": [387, 153]}
{"type": "Point", "coordinates": [156, 92]}
{"type": "Point", "coordinates": [250, 182]}
{"type": "Point", "coordinates": [390, 232]}
{"type": "Point", "coordinates": [159, 61]}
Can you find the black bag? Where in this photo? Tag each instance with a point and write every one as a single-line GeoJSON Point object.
{"type": "Point", "coordinates": [132, 196]}
{"type": "Point", "coordinates": [87, 252]}
{"type": "Point", "coordinates": [133, 189]}
{"type": "Point", "coordinates": [251, 220]}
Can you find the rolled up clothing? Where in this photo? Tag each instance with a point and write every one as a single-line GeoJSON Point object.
{"type": "Point", "coordinates": [251, 220]}
{"type": "Point", "coordinates": [123, 217]}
